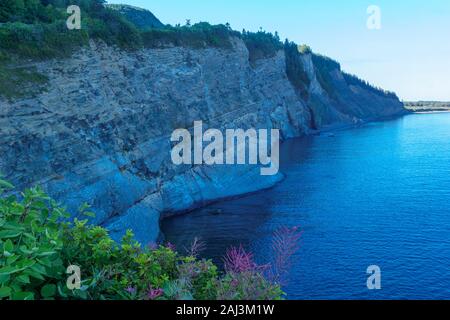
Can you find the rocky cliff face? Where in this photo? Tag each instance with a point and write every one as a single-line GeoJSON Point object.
{"type": "Point", "coordinates": [101, 132]}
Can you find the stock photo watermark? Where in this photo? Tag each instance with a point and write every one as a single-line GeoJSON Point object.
{"type": "Point", "coordinates": [74, 20]}
{"type": "Point", "coordinates": [242, 147]}
{"type": "Point", "coordinates": [374, 19]}
{"type": "Point", "coordinates": [74, 279]}
{"type": "Point", "coordinates": [374, 279]}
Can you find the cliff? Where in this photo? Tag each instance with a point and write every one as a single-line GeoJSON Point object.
{"type": "Point", "coordinates": [100, 133]}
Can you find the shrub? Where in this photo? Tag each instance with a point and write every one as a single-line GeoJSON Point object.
{"type": "Point", "coordinates": [353, 80]}
{"type": "Point", "coordinates": [295, 69]}
{"type": "Point", "coordinates": [46, 34]}
{"type": "Point", "coordinates": [324, 66]}
{"type": "Point", "coordinates": [237, 260]}
{"type": "Point", "coordinates": [304, 49]}
{"type": "Point", "coordinates": [37, 245]}
{"type": "Point", "coordinates": [244, 279]}
{"type": "Point", "coordinates": [261, 45]}
{"type": "Point", "coordinates": [247, 286]}
{"type": "Point", "coordinates": [28, 11]}
{"type": "Point", "coordinates": [31, 246]}
{"type": "Point", "coordinates": [285, 244]}
{"type": "Point", "coordinates": [40, 41]}
{"type": "Point", "coordinates": [200, 35]}
{"type": "Point", "coordinates": [108, 25]}
{"type": "Point", "coordinates": [19, 82]}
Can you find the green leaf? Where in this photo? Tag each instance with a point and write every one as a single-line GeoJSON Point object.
{"type": "Point", "coordinates": [83, 207]}
{"type": "Point", "coordinates": [89, 214]}
{"type": "Point", "coordinates": [5, 292]}
{"type": "Point", "coordinates": [45, 262]}
{"type": "Point", "coordinates": [34, 275]}
{"type": "Point", "coordinates": [30, 236]}
{"type": "Point", "coordinates": [46, 254]}
{"type": "Point", "coordinates": [25, 250]}
{"type": "Point", "coordinates": [39, 268]}
{"type": "Point", "coordinates": [23, 279]}
{"type": "Point", "coordinates": [61, 292]}
{"type": "Point", "coordinates": [5, 185]}
{"type": "Point", "coordinates": [22, 296]}
{"type": "Point", "coordinates": [4, 278]}
{"type": "Point", "coordinates": [8, 246]}
{"type": "Point", "coordinates": [26, 263]}
{"type": "Point", "coordinates": [48, 290]}
{"type": "Point", "coordinates": [6, 234]}
{"type": "Point", "coordinates": [11, 259]}
{"type": "Point", "coordinates": [80, 294]}
{"type": "Point", "coordinates": [8, 270]}
{"type": "Point", "coordinates": [13, 226]}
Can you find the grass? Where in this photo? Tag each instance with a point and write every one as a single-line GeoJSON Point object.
{"type": "Point", "coordinates": [197, 36]}
{"type": "Point", "coordinates": [39, 41]}
{"type": "Point", "coordinates": [261, 45]}
{"type": "Point", "coordinates": [20, 82]}
{"type": "Point", "coordinates": [21, 42]}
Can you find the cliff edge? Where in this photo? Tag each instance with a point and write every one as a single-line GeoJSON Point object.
{"type": "Point", "coordinates": [100, 132]}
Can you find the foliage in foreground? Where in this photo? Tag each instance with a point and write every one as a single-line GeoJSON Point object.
{"type": "Point", "coordinates": [37, 247]}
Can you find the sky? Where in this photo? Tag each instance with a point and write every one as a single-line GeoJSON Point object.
{"type": "Point", "coordinates": [409, 55]}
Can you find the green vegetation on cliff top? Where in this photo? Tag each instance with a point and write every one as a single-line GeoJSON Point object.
{"type": "Point", "coordinates": [36, 29]}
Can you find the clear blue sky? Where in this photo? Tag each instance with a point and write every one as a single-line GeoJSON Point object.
{"type": "Point", "coordinates": [409, 55]}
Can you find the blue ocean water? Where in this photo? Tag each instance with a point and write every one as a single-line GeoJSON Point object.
{"type": "Point", "coordinates": [374, 195]}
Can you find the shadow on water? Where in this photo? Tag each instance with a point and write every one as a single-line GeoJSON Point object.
{"type": "Point", "coordinates": [233, 222]}
{"type": "Point", "coordinates": [375, 195]}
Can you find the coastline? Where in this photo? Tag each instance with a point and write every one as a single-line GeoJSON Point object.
{"type": "Point", "coordinates": [431, 111]}
{"type": "Point", "coordinates": [262, 187]}
{"type": "Point", "coordinates": [427, 106]}
{"type": "Point", "coordinates": [378, 188]}
{"type": "Point", "coordinates": [117, 159]}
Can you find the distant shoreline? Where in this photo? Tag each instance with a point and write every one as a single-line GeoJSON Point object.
{"type": "Point", "coordinates": [427, 106]}
{"type": "Point", "coordinates": [431, 111]}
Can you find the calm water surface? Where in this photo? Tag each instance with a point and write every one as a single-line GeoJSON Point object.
{"type": "Point", "coordinates": [376, 195]}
